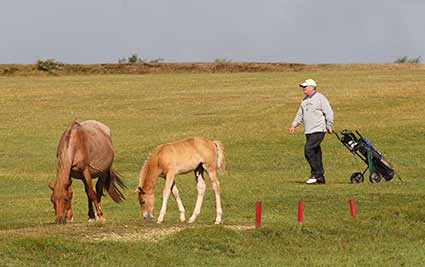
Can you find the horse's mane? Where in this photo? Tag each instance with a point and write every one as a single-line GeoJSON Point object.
{"type": "Point", "coordinates": [64, 144]}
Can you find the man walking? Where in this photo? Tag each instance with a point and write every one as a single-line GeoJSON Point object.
{"type": "Point", "coordinates": [317, 115]}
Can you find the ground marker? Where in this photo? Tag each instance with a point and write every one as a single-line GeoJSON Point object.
{"type": "Point", "coordinates": [258, 214]}
{"type": "Point", "coordinates": [352, 207]}
{"type": "Point", "coordinates": [300, 211]}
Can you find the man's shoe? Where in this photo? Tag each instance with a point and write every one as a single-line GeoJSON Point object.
{"type": "Point", "coordinates": [311, 180]}
{"type": "Point", "coordinates": [316, 180]}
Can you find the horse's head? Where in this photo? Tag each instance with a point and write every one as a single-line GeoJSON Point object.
{"type": "Point", "coordinates": [146, 201]}
{"type": "Point", "coordinates": [62, 204]}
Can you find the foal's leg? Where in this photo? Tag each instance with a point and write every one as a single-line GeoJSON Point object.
{"type": "Point", "coordinates": [200, 185]}
{"type": "Point", "coordinates": [176, 195]}
{"type": "Point", "coordinates": [92, 194]}
{"type": "Point", "coordinates": [216, 187]}
{"type": "Point", "coordinates": [165, 195]}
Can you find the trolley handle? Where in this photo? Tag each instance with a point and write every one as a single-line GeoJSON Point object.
{"type": "Point", "coordinates": [337, 136]}
{"type": "Point", "coordinates": [357, 132]}
{"type": "Point", "coordinates": [340, 139]}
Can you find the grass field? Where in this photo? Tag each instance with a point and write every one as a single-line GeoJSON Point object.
{"type": "Point", "coordinates": [250, 113]}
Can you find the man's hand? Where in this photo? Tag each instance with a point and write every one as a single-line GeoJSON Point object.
{"type": "Point", "coordinates": [292, 130]}
{"type": "Point", "coordinates": [330, 131]}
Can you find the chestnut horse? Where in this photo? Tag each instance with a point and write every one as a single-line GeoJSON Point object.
{"type": "Point", "coordinates": [168, 160]}
{"type": "Point", "coordinates": [84, 152]}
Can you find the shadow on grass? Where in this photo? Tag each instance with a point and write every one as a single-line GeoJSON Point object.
{"type": "Point", "coordinates": [303, 182]}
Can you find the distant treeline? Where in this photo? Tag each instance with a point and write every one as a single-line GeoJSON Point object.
{"type": "Point", "coordinates": [51, 67]}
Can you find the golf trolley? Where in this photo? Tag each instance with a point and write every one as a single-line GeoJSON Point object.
{"type": "Point", "coordinates": [376, 163]}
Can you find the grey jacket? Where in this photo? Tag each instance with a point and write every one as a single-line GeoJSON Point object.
{"type": "Point", "coordinates": [316, 114]}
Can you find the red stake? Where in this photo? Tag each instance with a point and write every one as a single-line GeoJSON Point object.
{"type": "Point", "coordinates": [352, 207]}
{"type": "Point", "coordinates": [300, 211]}
{"type": "Point", "coordinates": [258, 214]}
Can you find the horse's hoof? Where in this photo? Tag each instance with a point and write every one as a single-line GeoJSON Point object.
{"type": "Point", "coordinates": [192, 220]}
{"type": "Point", "coordinates": [218, 222]}
{"type": "Point", "coordinates": [182, 218]}
{"type": "Point", "coordinates": [91, 220]}
{"type": "Point", "coordinates": [159, 222]}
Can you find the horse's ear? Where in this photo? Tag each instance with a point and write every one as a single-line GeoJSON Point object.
{"type": "Point", "coordinates": [69, 188]}
{"type": "Point", "coordinates": [50, 185]}
{"type": "Point", "coordinates": [68, 185]}
{"type": "Point", "coordinates": [139, 190]}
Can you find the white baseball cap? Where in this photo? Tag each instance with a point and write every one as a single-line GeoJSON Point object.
{"type": "Point", "coordinates": [308, 82]}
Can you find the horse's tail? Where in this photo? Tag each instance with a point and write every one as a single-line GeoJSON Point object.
{"type": "Point", "coordinates": [221, 156]}
{"type": "Point", "coordinates": [113, 184]}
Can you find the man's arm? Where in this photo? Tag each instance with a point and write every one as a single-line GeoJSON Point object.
{"type": "Point", "coordinates": [297, 120]}
{"type": "Point", "coordinates": [329, 114]}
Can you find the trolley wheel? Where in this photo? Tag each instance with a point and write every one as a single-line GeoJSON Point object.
{"type": "Point", "coordinates": [375, 177]}
{"type": "Point", "coordinates": [357, 177]}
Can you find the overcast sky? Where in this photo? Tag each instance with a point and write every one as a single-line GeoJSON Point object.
{"type": "Point", "coordinates": [302, 31]}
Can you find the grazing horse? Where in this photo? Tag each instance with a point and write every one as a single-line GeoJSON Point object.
{"type": "Point", "coordinates": [168, 160]}
{"type": "Point", "coordinates": [84, 152]}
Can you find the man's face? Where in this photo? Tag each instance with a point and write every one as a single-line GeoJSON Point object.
{"type": "Point", "coordinates": [308, 90]}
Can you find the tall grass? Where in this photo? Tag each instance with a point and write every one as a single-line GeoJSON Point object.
{"type": "Point", "coordinates": [250, 114]}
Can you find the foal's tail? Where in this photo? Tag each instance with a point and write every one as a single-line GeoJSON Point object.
{"type": "Point", "coordinates": [221, 156]}
{"type": "Point", "coordinates": [112, 185]}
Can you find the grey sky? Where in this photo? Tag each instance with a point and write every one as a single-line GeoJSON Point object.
{"type": "Point", "coordinates": [304, 31]}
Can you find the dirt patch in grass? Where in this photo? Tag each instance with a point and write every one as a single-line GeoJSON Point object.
{"type": "Point", "coordinates": [115, 233]}
{"type": "Point", "coordinates": [150, 235]}
{"type": "Point", "coordinates": [155, 234]}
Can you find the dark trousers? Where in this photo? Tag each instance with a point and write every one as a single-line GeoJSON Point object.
{"type": "Point", "coordinates": [313, 153]}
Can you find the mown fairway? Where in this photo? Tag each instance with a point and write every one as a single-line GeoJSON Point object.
{"type": "Point", "coordinates": [250, 114]}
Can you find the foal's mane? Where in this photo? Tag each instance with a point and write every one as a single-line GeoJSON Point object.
{"type": "Point", "coordinates": [144, 173]}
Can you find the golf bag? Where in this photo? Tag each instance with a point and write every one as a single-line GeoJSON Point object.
{"type": "Point", "coordinates": [378, 166]}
